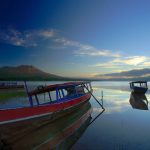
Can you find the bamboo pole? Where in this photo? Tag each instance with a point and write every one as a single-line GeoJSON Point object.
{"type": "Point", "coordinates": [94, 97]}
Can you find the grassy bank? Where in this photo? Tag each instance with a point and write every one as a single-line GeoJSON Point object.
{"type": "Point", "coordinates": [4, 95]}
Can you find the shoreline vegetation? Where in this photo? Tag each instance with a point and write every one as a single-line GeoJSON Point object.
{"type": "Point", "coordinates": [7, 94]}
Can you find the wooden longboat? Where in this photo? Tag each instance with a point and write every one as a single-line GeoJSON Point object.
{"type": "Point", "coordinates": [69, 97]}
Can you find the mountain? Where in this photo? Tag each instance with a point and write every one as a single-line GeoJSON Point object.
{"type": "Point", "coordinates": [137, 74]}
{"type": "Point", "coordinates": [26, 72]}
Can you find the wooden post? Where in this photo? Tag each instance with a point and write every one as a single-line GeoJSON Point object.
{"type": "Point", "coordinates": [30, 97]}
{"type": "Point", "coordinates": [62, 93]}
{"type": "Point", "coordinates": [50, 96]}
{"type": "Point", "coordinates": [94, 97]}
{"type": "Point", "coordinates": [57, 95]}
{"type": "Point", "coordinates": [37, 99]}
{"type": "Point", "coordinates": [102, 97]}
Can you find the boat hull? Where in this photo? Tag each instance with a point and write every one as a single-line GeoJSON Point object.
{"type": "Point", "coordinates": [18, 123]}
{"type": "Point", "coordinates": [53, 134]}
{"type": "Point", "coordinates": [140, 90]}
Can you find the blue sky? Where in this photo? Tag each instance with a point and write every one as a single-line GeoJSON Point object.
{"type": "Point", "coordinates": [79, 38]}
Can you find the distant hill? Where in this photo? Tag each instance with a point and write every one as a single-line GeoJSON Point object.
{"type": "Point", "coordinates": [26, 72]}
{"type": "Point", "coordinates": [137, 74]}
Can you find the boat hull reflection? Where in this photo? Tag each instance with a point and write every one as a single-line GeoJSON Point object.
{"type": "Point", "coordinates": [138, 101]}
{"type": "Point", "coordinates": [61, 134]}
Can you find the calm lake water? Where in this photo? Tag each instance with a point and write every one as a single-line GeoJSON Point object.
{"type": "Point", "coordinates": [124, 125]}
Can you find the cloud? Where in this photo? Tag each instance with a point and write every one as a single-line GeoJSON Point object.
{"type": "Point", "coordinates": [28, 38]}
{"type": "Point", "coordinates": [46, 33]}
{"type": "Point", "coordinates": [118, 65]}
{"type": "Point", "coordinates": [132, 60]}
{"type": "Point", "coordinates": [13, 37]}
{"type": "Point", "coordinates": [66, 42]}
{"type": "Point", "coordinates": [41, 33]}
{"type": "Point", "coordinates": [88, 50]}
{"type": "Point", "coordinates": [147, 63]}
{"type": "Point", "coordinates": [84, 49]}
{"type": "Point", "coordinates": [37, 37]}
{"type": "Point", "coordinates": [34, 38]}
{"type": "Point", "coordinates": [140, 61]}
{"type": "Point", "coordinates": [106, 65]}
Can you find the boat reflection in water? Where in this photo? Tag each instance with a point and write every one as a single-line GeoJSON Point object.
{"type": "Point", "coordinates": [61, 134]}
{"type": "Point", "coordinates": [138, 101]}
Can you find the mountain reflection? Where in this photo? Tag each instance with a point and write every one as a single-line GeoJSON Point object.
{"type": "Point", "coordinates": [61, 134]}
{"type": "Point", "coordinates": [138, 101]}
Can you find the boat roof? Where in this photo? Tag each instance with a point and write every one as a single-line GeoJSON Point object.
{"type": "Point", "coordinates": [139, 82]}
{"type": "Point", "coordinates": [53, 87]}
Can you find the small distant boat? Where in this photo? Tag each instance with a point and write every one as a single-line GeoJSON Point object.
{"type": "Point", "coordinates": [139, 86]}
{"type": "Point", "coordinates": [11, 85]}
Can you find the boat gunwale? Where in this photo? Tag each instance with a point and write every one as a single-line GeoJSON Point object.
{"type": "Point", "coordinates": [45, 104]}
{"type": "Point", "coordinates": [44, 114]}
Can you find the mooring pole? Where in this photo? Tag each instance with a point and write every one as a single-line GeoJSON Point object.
{"type": "Point", "coordinates": [30, 98]}
{"type": "Point", "coordinates": [102, 97]}
{"type": "Point", "coordinates": [94, 97]}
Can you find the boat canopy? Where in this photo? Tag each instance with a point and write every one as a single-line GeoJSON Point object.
{"type": "Point", "coordinates": [42, 89]}
{"type": "Point", "coordinates": [139, 83]}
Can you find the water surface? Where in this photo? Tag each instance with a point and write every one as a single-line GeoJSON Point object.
{"type": "Point", "coordinates": [120, 127]}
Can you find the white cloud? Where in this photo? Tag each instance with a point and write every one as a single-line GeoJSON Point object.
{"type": "Point", "coordinates": [26, 38]}
{"type": "Point", "coordinates": [13, 37]}
{"type": "Point", "coordinates": [92, 51]}
{"type": "Point", "coordinates": [122, 64]}
{"type": "Point", "coordinates": [84, 49]}
{"type": "Point", "coordinates": [67, 42]}
{"type": "Point", "coordinates": [34, 38]}
{"type": "Point", "coordinates": [147, 63]}
{"type": "Point", "coordinates": [46, 33]}
{"type": "Point", "coordinates": [106, 65]}
{"type": "Point", "coordinates": [132, 60]}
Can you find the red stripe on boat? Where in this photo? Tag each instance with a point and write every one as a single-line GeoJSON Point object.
{"type": "Point", "coordinates": [20, 113]}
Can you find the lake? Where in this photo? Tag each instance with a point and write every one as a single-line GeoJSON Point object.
{"type": "Point", "coordinates": [124, 125]}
